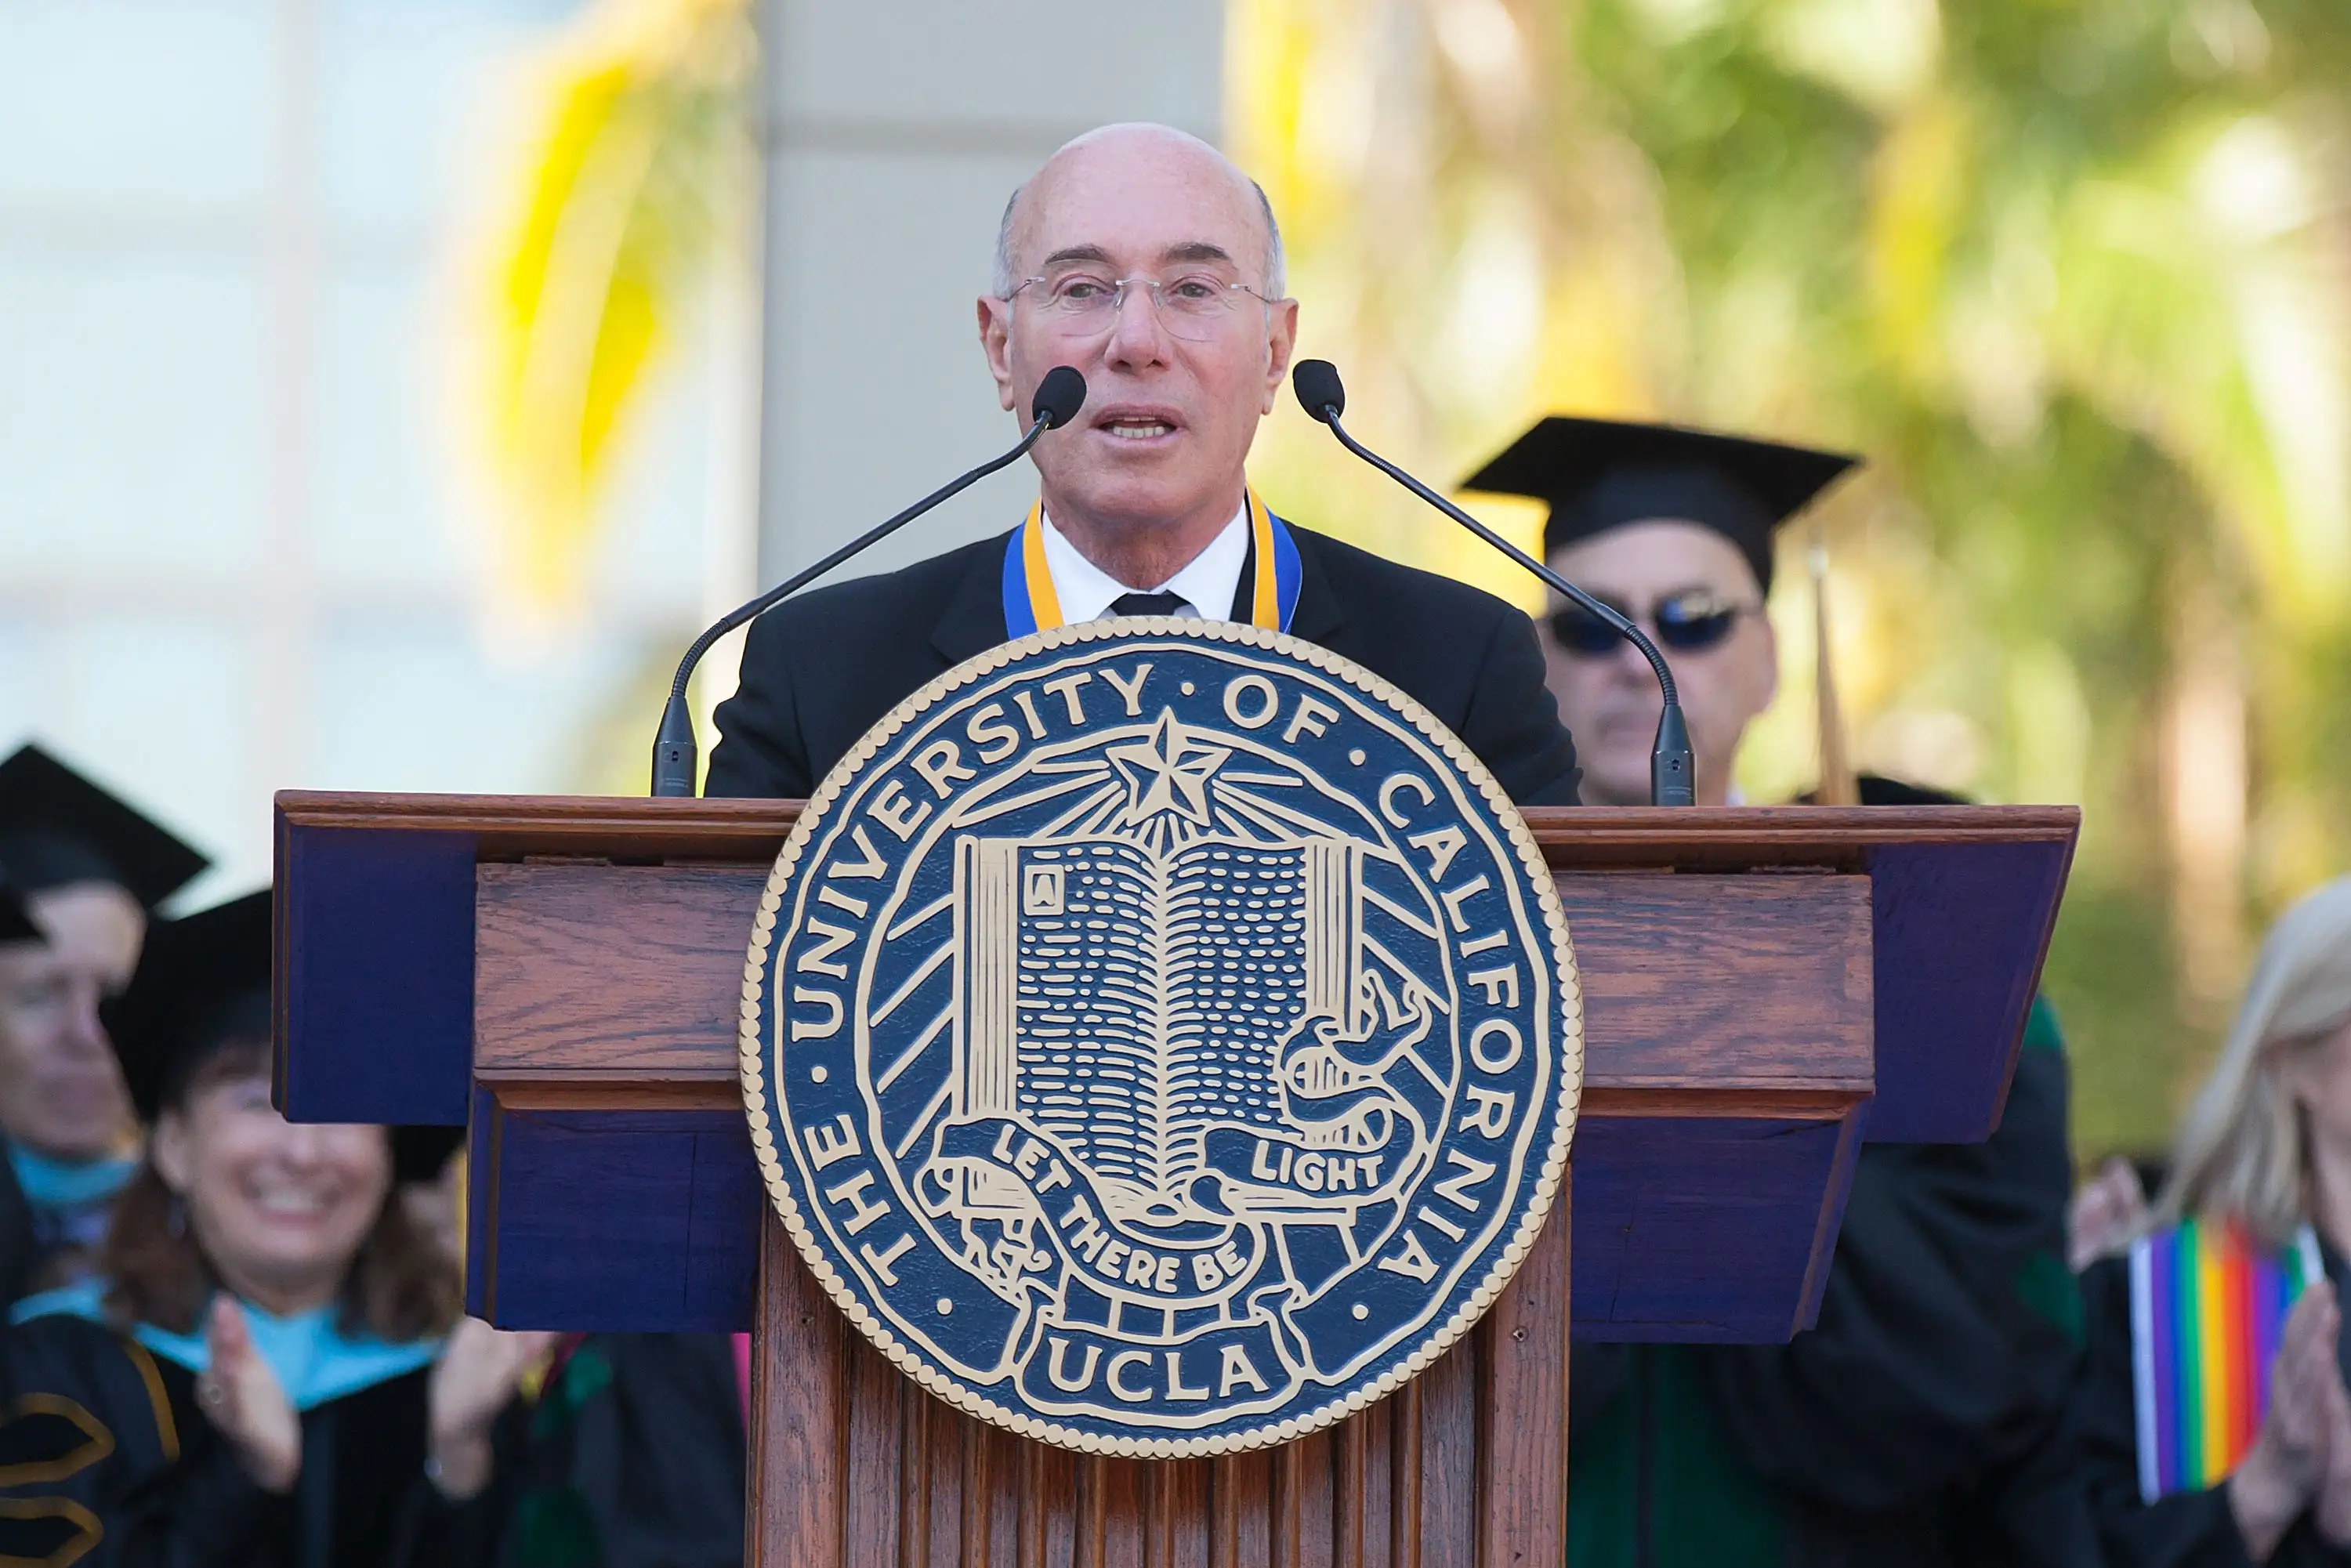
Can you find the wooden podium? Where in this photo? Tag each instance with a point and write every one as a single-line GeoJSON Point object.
{"type": "Point", "coordinates": [1764, 989]}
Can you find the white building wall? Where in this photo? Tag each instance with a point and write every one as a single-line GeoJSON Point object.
{"type": "Point", "coordinates": [898, 129]}
{"type": "Point", "coordinates": [231, 556]}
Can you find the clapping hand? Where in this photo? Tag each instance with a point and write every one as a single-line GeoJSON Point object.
{"type": "Point", "coordinates": [2297, 1451]}
{"type": "Point", "coordinates": [477, 1374]}
{"type": "Point", "coordinates": [2334, 1485]}
{"type": "Point", "coordinates": [2106, 1211]}
{"type": "Point", "coordinates": [246, 1404]}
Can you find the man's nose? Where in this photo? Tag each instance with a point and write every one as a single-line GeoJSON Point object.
{"type": "Point", "coordinates": [1137, 337]}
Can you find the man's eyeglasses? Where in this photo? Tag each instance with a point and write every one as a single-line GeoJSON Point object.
{"type": "Point", "coordinates": [1685, 622]}
{"type": "Point", "coordinates": [1196, 305]}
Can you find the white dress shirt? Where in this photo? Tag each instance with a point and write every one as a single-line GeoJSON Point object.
{"type": "Point", "coordinates": [1085, 591]}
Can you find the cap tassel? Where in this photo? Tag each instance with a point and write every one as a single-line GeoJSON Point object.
{"type": "Point", "coordinates": [1838, 786]}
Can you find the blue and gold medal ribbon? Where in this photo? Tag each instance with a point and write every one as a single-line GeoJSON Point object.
{"type": "Point", "coordinates": [1030, 604]}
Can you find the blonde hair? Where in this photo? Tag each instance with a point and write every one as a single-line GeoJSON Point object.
{"type": "Point", "coordinates": [2245, 1147]}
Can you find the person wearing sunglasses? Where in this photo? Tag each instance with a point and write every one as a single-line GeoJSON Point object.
{"type": "Point", "coordinates": [1921, 1419]}
{"type": "Point", "coordinates": [1672, 529]}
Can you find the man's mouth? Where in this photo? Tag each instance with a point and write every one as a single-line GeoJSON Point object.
{"type": "Point", "coordinates": [1136, 424]}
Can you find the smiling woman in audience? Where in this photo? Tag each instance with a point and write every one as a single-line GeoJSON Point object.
{"type": "Point", "coordinates": [259, 1375]}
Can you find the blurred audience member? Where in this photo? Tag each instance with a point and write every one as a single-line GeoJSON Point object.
{"type": "Point", "coordinates": [2216, 1428]}
{"type": "Point", "coordinates": [1920, 1422]}
{"type": "Point", "coordinates": [88, 870]}
{"type": "Point", "coordinates": [258, 1376]}
{"type": "Point", "coordinates": [628, 1453]}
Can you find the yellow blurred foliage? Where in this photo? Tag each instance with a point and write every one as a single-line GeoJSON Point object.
{"type": "Point", "coordinates": [629, 185]}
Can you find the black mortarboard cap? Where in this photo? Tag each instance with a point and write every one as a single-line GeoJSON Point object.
{"type": "Point", "coordinates": [202, 983]}
{"type": "Point", "coordinates": [1599, 473]}
{"type": "Point", "coordinates": [57, 827]}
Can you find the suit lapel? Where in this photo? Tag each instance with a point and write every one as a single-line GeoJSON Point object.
{"type": "Point", "coordinates": [1320, 614]}
{"type": "Point", "coordinates": [973, 621]}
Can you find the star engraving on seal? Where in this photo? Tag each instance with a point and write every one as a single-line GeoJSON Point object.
{"type": "Point", "coordinates": [1168, 772]}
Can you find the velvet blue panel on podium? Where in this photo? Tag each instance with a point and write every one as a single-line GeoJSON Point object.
{"type": "Point", "coordinates": [1968, 922]}
{"type": "Point", "coordinates": [375, 950]}
{"type": "Point", "coordinates": [618, 1220]}
{"type": "Point", "coordinates": [650, 1220]}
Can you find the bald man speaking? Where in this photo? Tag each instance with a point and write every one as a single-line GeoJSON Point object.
{"type": "Point", "coordinates": [1143, 257]}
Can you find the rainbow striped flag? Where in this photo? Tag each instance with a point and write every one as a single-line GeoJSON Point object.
{"type": "Point", "coordinates": [2208, 1305]}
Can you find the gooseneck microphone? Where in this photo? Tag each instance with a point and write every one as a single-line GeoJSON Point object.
{"type": "Point", "coordinates": [1671, 775]}
{"type": "Point", "coordinates": [1059, 398]}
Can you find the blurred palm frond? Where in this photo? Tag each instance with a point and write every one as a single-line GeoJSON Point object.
{"type": "Point", "coordinates": [632, 184]}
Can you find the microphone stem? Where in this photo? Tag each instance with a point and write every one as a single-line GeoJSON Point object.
{"type": "Point", "coordinates": [673, 747]}
{"type": "Point", "coordinates": [1670, 769]}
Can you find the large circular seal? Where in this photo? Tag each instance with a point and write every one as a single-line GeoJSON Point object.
{"type": "Point", "coordinates": [1161, 1037]}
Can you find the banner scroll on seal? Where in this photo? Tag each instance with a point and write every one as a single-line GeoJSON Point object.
{"type": "Point", "coordinates": [1161, 1037]}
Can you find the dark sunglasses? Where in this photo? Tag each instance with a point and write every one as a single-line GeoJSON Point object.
{"type": "Point", "coordinates": [1685, 622]}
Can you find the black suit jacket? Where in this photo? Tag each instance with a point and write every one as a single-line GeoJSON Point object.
{"type": "Point", "coordinates": [821, 669]}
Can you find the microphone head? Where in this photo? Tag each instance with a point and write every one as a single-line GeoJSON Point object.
{"type": "Point", "coordinates": [1059, 397]}
{"type": "Point", "coordinates": [1316, 382]}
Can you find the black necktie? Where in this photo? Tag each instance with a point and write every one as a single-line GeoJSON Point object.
{"type": "Point", "coordinates": [1160, 603]}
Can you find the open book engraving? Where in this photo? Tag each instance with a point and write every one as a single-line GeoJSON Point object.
{"type": "Point", "coordinates": [1127, 1001]}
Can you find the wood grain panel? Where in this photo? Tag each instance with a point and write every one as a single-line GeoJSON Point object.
{"type": "Point", "coordinates": [875, 1459]}
{"type": "Point", "coordinates": [1241, 1501]}
{"type": "Point", "coordinates": [799, 1414]}
{"type": "Point", "coordinates": [1522, 1409]}
{"type": "Point", "coordinates": [1720, 983]}
{"type": "Point", "coordinates": [1179, 1532]}
{"type": "Point", "coordinates": [1404, 1472]}
{"type": "Point", "coordinates": [1448, 1457]}
{"type": "Point", "coordinates": [554, 990]}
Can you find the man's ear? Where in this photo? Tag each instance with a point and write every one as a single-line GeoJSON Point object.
{"type": "Point", "coordinates": [168, 1148]}
{"type": "Point", "coordinates": [996, 341]}
{"type": "Point", "coordinates": [1281, 342]}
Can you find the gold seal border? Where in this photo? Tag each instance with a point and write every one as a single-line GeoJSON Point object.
{"type": "Point", "coordinates": [875, 1329]}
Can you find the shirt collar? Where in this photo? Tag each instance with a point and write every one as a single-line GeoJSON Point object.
{"type": "Point", "coordinates": [1207, 585]}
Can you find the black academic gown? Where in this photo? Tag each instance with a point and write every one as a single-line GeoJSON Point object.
{"type": "Point", "coordinates": [2187, 1529]}
{"type": "Point", "coordinates": [106, 1445]}
{"type": "Point", "coordinates": [20, 1242]}
{"type": "Point", "coordinates": [1920, 1422]}
{"type": "Point", "coordinates": [820, 670]}
{"type": "Point", "coordinates": [631, 1455]}
{"type": "Point", "coordinates": [42, 1249]}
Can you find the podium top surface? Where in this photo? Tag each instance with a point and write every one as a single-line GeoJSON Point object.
{"type": "Point", "coordinates": [376, 927]}
{"type": "Point", "coordinates": [1587, 838]}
